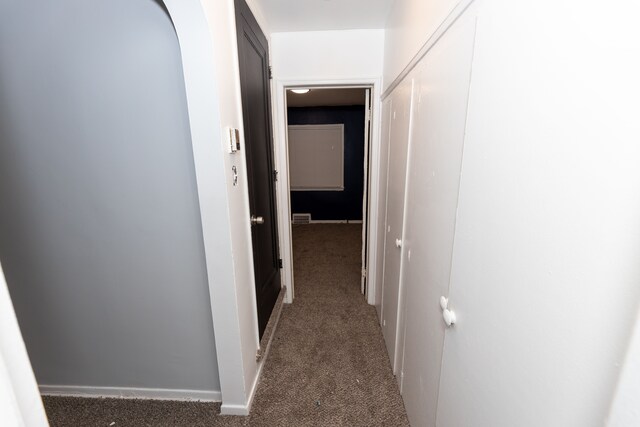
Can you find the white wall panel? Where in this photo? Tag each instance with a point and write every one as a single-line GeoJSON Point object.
{"type": "Point", "coordinates": [545, 269]}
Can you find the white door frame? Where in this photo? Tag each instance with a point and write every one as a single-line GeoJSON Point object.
{"type": "Point", "coordinates": [366, 184]}
{"type": "Point", "coordinates": [208, 47]}
{"type": "Point", "coordinates": [282, 165]}
{"type": "Point", "coordinates": [20, 402]}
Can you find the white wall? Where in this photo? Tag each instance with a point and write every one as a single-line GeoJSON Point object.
{"type": "Point", "coordinates": [221, 19]}
{"type": "Point", "coordinates": [409, 25]}
{"type": "Point", "coordinates": [209, 49]}
{"type": "Point", "coordinates": [625, 410]}
{"type": "Point", "coordinates": [545, 266]}
{"type": "Point", "coordinates": [327, 58]}
{"type": "Point", "coordinates": [327, 55]}
{"type": "Point", "coordinates": [544, 275]}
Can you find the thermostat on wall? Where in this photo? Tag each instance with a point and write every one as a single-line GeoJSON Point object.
{"type": "Point", "coordinates": [234, 139]}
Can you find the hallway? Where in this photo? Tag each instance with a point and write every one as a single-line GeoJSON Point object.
{"type": "Point", "coordinates": [327, 365]}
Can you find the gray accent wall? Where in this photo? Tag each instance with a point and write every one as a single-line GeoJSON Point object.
{"type": "Point", "coordinates": [100, 231]}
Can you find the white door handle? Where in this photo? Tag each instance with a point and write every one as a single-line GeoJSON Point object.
{"type": "Point", "coordinates": [449, 317]}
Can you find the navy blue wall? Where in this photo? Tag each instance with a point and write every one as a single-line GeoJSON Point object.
{"type": "Point", "coordinates": [335, 205]}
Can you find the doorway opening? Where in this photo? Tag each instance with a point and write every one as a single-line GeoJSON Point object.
{"type": "Point", "coordinates": [328, 134]}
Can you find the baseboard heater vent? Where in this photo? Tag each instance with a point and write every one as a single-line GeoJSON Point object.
{"type": "Point", "coordinates": [301, 218]}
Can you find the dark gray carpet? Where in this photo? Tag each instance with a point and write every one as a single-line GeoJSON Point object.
{"type": "Point", "coordinates": [327, 365]}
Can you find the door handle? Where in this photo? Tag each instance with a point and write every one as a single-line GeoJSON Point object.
{"type": "Point", "coordinates": [448, 316]}
{"type": "Point", "coordinates": [256, 220]}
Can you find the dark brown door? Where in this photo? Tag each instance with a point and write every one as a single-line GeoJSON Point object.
{"type": "Point", "coordinates": [256, 110]}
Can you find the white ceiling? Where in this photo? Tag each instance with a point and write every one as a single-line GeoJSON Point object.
{"type": "Point", "coordinates": [320, 15]}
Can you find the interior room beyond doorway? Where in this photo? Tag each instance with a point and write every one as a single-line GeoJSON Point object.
{"type": "Point", "coordinates": [328, 147]}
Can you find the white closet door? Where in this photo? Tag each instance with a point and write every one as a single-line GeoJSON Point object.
{"type": "Point", "coordinates": [442, 83]}
{"type": "Point", "coordinates": [398, 144]}
{"type": "Point", "coordinates": [387, 111]}
{"type": "Point", "coordinates": [545, 278]}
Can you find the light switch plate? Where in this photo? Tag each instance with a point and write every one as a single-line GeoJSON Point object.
{"type": "Point", "coordinates": [234, 139]}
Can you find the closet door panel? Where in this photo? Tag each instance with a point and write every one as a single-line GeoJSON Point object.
{"type": "Point", "coordinates": [435, 158]}
{"type": "Point", "coordinates": [545, 277]}
{"type": "Point", "coordinates": [382, 202]}
{"type": "Point", "coordinates": [398, 145]}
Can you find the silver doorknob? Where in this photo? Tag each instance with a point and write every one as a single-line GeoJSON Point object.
{"type": "Point", "coordinates": [256, 220]}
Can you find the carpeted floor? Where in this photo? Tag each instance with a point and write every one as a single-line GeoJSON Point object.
{"type": "Point", "coordinates": [327, 365]}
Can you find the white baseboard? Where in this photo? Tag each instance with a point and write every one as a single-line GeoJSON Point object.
{"type": "Point", "coordinates": [244, 410]}
{"type": "Point", "coordinates": [131, 393]}
{"type": "Point", "coordinates": [335, 221]}
{"type": "Point", "coordinates": [241, 410]}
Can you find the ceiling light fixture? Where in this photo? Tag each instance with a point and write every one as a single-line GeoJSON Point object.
{"type": "Point", "coordinates": [300, 91]}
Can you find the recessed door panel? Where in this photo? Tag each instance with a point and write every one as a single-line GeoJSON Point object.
{"type": "Point", "coordinates": [256, 111]}
{"type": "Point", "coordinates": [441, 94]}
{"type": "Point", "coordinates": [545, 277]}
{"type": "Point", "coordinates": [398, 145]}
{"type": "Point", "coordinates": [387, 110]}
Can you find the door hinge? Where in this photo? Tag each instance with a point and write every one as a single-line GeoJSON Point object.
{"type": "Point", "coordinates": [270, 72]}
{"type": "Point", "coordinates": [279, 262]}
{"type": "Point", "coordinates": [275, 175]}
{"type": "Point", "coordinates": [364, 272]}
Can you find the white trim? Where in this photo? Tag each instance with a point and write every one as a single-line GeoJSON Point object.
{"type": "Point", "coordinates": [282, 160]}
{"type": "Point", "coordinates": [131, 393]}
{"type": "Point", "coordinates": [365, 185]}
{"type": "Point", "coordinates": [398, 365]}
{"type": "Point", "coordinates": [375, 142]}
{"type": "Point", "coordinates": [239, 410]}
{"type": "Point", "coordinates": [303, 189]}
{"type": "Point", "coordinates": [623, 410]}
{"type": "Point", "coordinates": [453, 16]}
{"type": "Point", "coordinates": [244, 410]}
{"type": "Point", "coordinates": [208, 48]}
{"type": "Point", "coordinates": [335, 221]}
{"type": "Point", "coordinates": [20, 402]}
